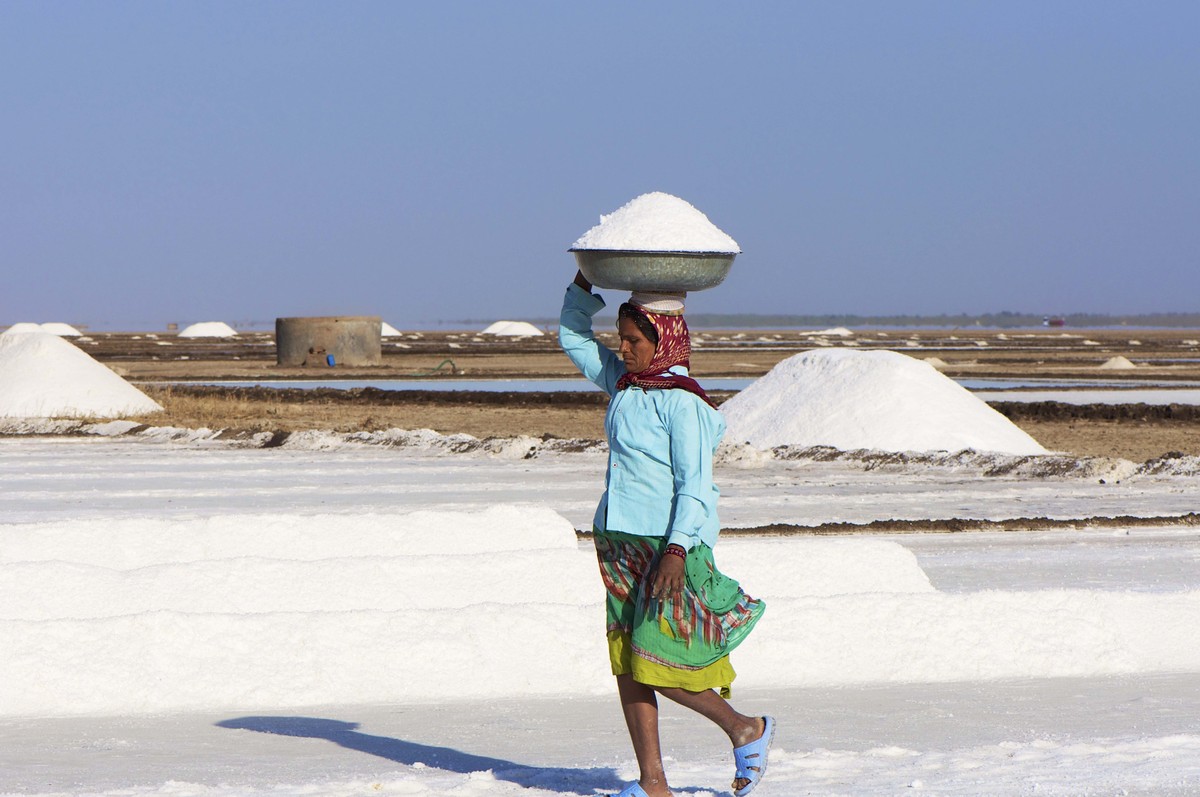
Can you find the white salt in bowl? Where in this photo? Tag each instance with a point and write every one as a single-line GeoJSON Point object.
{"type": "Point", "coordinates": [663, 272]}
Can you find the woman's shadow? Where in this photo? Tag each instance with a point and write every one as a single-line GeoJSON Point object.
{"type": "Point", "coordinates": [346, 734]}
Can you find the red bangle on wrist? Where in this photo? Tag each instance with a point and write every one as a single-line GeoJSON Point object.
{"type": "Point", "coordinates": [676, 550]}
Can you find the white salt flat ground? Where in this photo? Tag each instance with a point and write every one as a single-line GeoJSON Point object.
{"type": "Point", "coordinates": [1126, 735]}
{"type": "Point", "coordinates": [51, 478]}
{"type": "Point", "coordinates": [1126, 726]}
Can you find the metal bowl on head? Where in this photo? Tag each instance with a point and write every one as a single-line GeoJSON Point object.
{"type": "Point", "coordinates": [663, 272]}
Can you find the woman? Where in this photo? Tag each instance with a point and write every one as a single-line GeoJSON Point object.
{"type": "Point", "coordinates": [672, 617]}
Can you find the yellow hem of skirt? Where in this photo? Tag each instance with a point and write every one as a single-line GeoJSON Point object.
{"type": "Point", "coordinates": [718, 675]}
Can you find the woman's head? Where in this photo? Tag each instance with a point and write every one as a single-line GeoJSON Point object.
{"type": "Point", "coordinates": [654, 345]}
{"type": "Point", "coordinates": [639, 338]}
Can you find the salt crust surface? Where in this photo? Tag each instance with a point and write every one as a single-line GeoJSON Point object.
{"type": "Point", "coordinates": [208, 329]}
{"type": "Point", "coordinates": [44, 376]}
{"type": "Point", "coordinates": [657, 222]}
{"type": "Point", "coordinates": [879, 400]}
{"type": "Point", "coordinates": [967, 733]}
{"type": "Point", "coordinates": [218, 605]}
{"type": "Point", "coordinates": [516, 329]}
{"type": "Point", "coordinates": [741, 455]}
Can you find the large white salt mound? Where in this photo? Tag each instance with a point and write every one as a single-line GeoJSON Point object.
{"type": "Point", "coordinates": [208, 329]}
{"type": "Point", "coordinates": [518, 329]}
{"type": "Point", "coordinates": [44, 376]}
{"type": "Point", "coordinates": [657, 222]}
{"type": "Point", "coordinates": [22, 328]}
{"type": "Point", "coordinates": [1117, 363]}
{"type": "Point", "coordinates": [878, 400]}
{"type": "Point", "coordinates": [386, 330]}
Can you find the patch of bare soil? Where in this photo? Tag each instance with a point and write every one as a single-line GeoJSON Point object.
{"type": "Point", "coordinates": [477, 413]}
{"type": "Point", "coordinates": [1136, 432]}
{"type": "Point", "coordinates": [1134, 440]}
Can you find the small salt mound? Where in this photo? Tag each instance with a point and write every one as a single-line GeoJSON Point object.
{"type": "Point", "coordinates": [61, 329]}
{"type": "Point", "coordinates": [1117, 363]}
{"type": "Point", "coordinates": [209, 329]}
{"type": "Point", "coordinates": [657, 222]}
{"type": "Point", "coordinates": [516, 329]}
{"type": "Point", "coordinates": [22, 328]}
{"type": "Point", "coordinates": [880, 400]}
{"type": "Point", "coordinates": [44, 376]}
{"type": "Point", "coordinates": [936, 362]}
{"type": "Point", "coordinates": [840, 332]}
{"type": "Point", "coordinates": [386, 330]}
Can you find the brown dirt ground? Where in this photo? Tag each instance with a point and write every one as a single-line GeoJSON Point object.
{"type": "Point", "coordinates": [1132, 440]}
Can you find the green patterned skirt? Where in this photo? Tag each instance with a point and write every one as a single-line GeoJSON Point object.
{"type": "Point", "coordinates": [682, 642]}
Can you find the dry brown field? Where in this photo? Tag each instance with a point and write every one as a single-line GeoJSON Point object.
{"type": "Point", "coordinates": [164, 366]}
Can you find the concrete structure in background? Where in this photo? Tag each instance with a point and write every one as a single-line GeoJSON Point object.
{"type": "Point", "coordinates": [328, 340]}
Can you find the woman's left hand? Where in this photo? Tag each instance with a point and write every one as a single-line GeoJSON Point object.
{"type": "Point", "coordinates": [668, 578]}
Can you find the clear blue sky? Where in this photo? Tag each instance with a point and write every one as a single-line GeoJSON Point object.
{"type": "Point", "coordinates": [238, 161]}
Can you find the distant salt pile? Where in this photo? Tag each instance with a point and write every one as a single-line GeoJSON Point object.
{"type": "Point", "coordinates": [657, 222]}
{"type": "Point", "coordinates": [515, 329]}
{"type": "Point", "coordinates": [52, 328]}
{"type": "Point", "coordinates": [1117, 363]}
{"type": "Point", "coordinates": [386, 330]}
{"type": "Point", "coordinates": [208, 329]}
{"type": "Point", "coordinates": [879, 400]}
{"type": "Point", "coordinates": [44, 376]}
{"type": "Point", "coordinates": [836, 332]}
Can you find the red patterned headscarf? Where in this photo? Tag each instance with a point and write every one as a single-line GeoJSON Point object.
{"type": "Point", "coordinates": [674, 348]}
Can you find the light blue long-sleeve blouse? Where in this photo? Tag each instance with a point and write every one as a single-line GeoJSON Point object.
{"type": "Point", "coordinates": [659, 479]}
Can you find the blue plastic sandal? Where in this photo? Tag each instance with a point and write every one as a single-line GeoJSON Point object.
{"type": "Point", "coordinates": [633, 790]}
{"type": "Point", "coordinates": [751, 759]}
